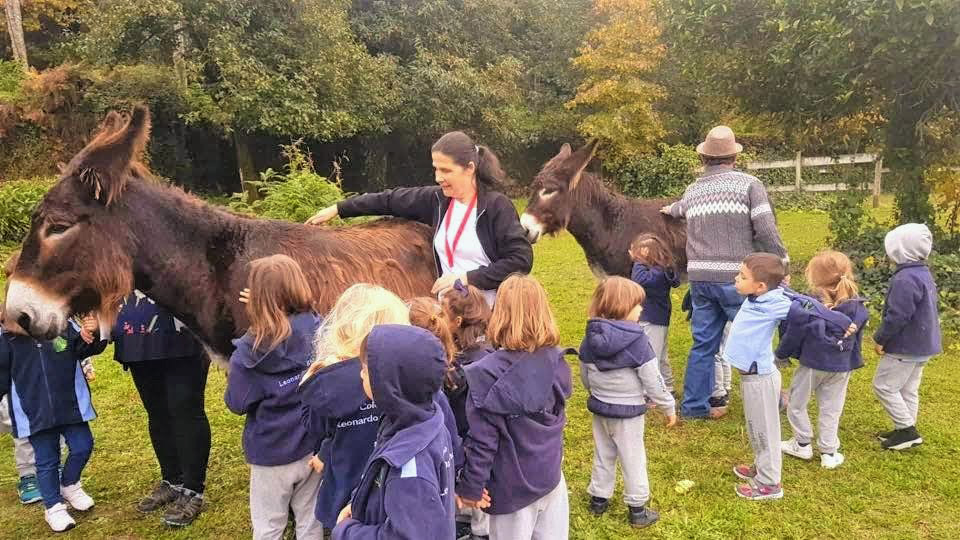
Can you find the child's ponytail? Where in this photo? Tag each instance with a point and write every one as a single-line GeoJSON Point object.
{"type": "Point", "coordinates": [830, 275]}
{"type": "Point", "coordinates": [426, 313]}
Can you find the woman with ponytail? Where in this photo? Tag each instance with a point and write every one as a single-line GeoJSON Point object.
{"type": "Point", "coordinates": [477, 236]}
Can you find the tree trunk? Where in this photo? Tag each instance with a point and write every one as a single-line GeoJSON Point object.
{"type": "Point", "coordinates": [905, 156]}
{"type": "Point", "coordinates": [245, 166]}
{"type": "Point", "coordinates": [375, 164]}
{"type": "Point", "coordinates": [15, 29]}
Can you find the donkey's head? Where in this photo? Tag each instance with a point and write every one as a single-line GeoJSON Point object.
{"type": "Point", "coordinates": [551, 198]}
{"type": "Point", "coordinates": [77, 257]}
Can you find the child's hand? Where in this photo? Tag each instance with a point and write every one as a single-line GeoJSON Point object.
{"type": "Point", "coordinates": [879, 349]}
{"type": "Point", "coordinates": [316, 465]}
{"type": "Point", "coordinates": [245, 296]}
{"type": "Point", "coordinates": [851, 330]}
{"type": "Point", "coordinates": [344, 514]}
{"type": "Point", "coordinates": [88, 373]}
{"type": "Point", "coordinates": [666, 209]}
{"type": "Point", "coordinates": [484, 501]}
{"type": "Point", "coordinates": [86, 336]}
{"type": "Point", "coordinates": [671, 420]}
{"type": "Point", "coordinates": [786, 280]}
{"type": "Point", "coordinates": [90, 323]}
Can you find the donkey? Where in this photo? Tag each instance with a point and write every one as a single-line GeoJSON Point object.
{"type": "Point", "coordinates": [107, 227]}
{"type": "Point", "coordinates": [565, 196]}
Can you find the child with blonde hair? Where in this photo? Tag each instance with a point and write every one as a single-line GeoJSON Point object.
{"type": "Point", "coordinates": [264, 370]}
{"type": "Point", "coordinates": [516, 410]}
{"type": "Point", "coordinates": [332, 397]}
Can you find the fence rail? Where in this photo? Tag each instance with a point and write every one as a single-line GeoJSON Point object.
{"type": "Point", "coordinates": [799, 162]}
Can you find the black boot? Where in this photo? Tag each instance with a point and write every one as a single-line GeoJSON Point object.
{"type": "Point", "coordinates": [598, 505]}
{"type": "Point", "coordinates": [641, 517]}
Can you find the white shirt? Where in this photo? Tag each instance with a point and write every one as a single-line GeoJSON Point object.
{"type": "Point", "coordinates": [469, 254]}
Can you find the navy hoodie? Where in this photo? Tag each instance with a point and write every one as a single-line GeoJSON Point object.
{"type": "Point", "coordinates": [457, 394]}
{"type": "Point", "coordinates": [406, 491]}
{"type": "Point", "coordinates": [814, 334]}
{"type": "Point", "coordinates": [44, 380]}
{"type": "Point", "coordinates": [656, 282]}
{"type": "Point", "coordinates": [516, 409]}
{"type": "Point", "coordinates": [911, 316]}
{"type": "Point", "coordinates": [262, 385]}
{"type": "Point", "coordinates": [145, 331]}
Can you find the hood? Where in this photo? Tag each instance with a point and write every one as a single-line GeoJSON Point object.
{"type": "Point", "coordinates": [908, 243]}
{"type": "Point", "coordinates": [807, 306]}
{"type": "Point", "coordinates": [526, 386]}
{"type": "Point", "coordinates": [615, 344]}
{"type": "Point", "coordinates": [295, 352]}
{"type": "Point", "coordinates": [406, 365]}
{"type": "Point", "coordinates": [335, 391]}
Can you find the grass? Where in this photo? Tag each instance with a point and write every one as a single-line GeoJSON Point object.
{"type": "Point", "coordinates": [875, 494]}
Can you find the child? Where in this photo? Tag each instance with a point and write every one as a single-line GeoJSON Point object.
{"type": "Point", "coordinates": [406, 487]}
{"type": "Point", "coordinates": [748, 349]}
{"type": "Point", "coordinates": [516, 411]}
{"type": "Point", "coordinates": [617, 371]}
{"type": "Point", "coordinates": [909, 333]}
{"type": "Point", "coordinates": [825, 364]}
{"type": "Point", "coordinates": [332, 398]}
{"type": "Point", "coordinates": [653, 270]}
{"type": "Point", "coordinates": [264, 370]}
{"type": "Point", "coordinates": [27, 488]}
{"type": "Point", "coordinates": [32, 372]}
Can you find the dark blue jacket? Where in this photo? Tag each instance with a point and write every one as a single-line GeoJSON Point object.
{"type": "Point", "coordinates": [333, 398]}
{"type": "Point", "coordinates": [516, 410]}
{"type": "Point", "coordinates": [263, 386]}
{"type": "Point", "coordinates": [656, 282]}
{"type": "Point", "coordinates": [611, 345]}
{"type": "Point", "coordinates": [407, 486]}
{"type": "Point", "coordinates": [457, 394]}
{"type": "Point", "coordinates": [814, 334]}
{"type": "Point", "coordinates": [145, 331]}
{"type": "Point", "coordinates": [44, 382]}
{"type": "Point", "coordinates": [911, 316]}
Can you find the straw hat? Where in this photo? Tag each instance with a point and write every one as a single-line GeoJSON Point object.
{"type": "Point", "coordinates": [720, 142]}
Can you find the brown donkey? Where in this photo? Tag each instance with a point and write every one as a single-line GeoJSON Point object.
{"type": "Point", "coordinates": [106, 227]}
{"type": "Point", "coordinates": [565, 196]}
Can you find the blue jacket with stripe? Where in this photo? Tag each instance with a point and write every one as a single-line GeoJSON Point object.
{"type": "Point", "coordinates": [44, 381]}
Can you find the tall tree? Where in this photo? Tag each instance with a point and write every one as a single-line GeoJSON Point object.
{"type": "Point", "coordinates": [15, 31]}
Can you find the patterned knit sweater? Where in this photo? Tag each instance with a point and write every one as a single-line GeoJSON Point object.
{"type": "Point", "coordinates": [728, 217]}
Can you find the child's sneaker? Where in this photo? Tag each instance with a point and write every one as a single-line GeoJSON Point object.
{"type": "Point", "coordinates": [793, 448]}
{"type": "Point", "coordinates": [831, 461]}
{"type": "Point", "coordinates": [720, 401]}
{"type": "Point", "coordinates": [598, 505]}
{"type": "Point", "coordinates": [58, 518]}
{"type": "Point", "coordinates": [76, 497]}
{"type": "Point", "coordinates": [884, 435]}
{"type": "Point", "coordinates": [759, 492]}
{"type": "Point", "coordinates": [28, 490]}
{"type": "Point", "coordinates": [641, 517]}
{"type": "Point", "coordinates": [745, 472]}
{"type": "Point", "coordinates": [903, 439]}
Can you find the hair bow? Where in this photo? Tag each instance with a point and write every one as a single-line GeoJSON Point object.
{"type": "Point", "coordinates": [460, 288]}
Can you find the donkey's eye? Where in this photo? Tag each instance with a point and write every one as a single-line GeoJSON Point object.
{"type": "Point", "coordinates": [58, 228]}
{"type": "Point", "coordinates": [548, 192]}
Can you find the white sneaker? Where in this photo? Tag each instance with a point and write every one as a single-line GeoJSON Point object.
{"type": "Point", "coordinates": [58, 518]}
{"type": "Point", "coordinates": [76, 497]}
{"type": "Point", "coordinates": [831, 461]}
{"type": "Point", "coordinates": [793, 448]}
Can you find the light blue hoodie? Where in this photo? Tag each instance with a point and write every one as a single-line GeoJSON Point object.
{"type": "Point", "coordinates": [751, 335]}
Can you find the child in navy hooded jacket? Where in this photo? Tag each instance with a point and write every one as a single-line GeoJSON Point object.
{"type": "Point", "coordinates": [819, 335]}
{"type": "Point", "coordinates": [909, 333]}
{"type": "Point", "coordinates": [653, 270]}
{"type": "Point", "coordinates": [264, 371]}
{"type": "Point", "coordinates": [406, 490]}
{"type": "Point", "coordinates": [619, 368]}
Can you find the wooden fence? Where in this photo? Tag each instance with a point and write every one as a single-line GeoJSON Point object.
{"type": "Point", "coordinates": [799, 162]}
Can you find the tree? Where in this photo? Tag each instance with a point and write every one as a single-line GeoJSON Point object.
{"type": "Point", "coordinates": [15, 30]}
{"type": "Point", "coordinates": [618, 59]}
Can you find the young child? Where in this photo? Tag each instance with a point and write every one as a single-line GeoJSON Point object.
{"type": "Point", "coordinates": [749, 350]}
{"type": "Point", "coordinates": [653, 270]}
{"type": "Point", "coordinates": [909, 333]}
{"type": "Point", "coordinates": [825, 364]}
{"type": "Point", "coordinates": [618, 368]}
{"type": "Point", "coordinates": [406, 487]}
{"type": "Point", "coordinates": [27, 488]}
{"type": "Point", "coordinates": [334, 405]}
{"type": "Point", "coordinates": [268, 362]}
{"type": "Point", "coordinates": [516, 412]}
{"type": "Point", "coordinates": [722, 375]}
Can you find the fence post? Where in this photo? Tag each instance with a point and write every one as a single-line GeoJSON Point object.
{"type": "Point", "coordinates": [799, 165]}
{"type": "Point", "coordinates": [877, 172]}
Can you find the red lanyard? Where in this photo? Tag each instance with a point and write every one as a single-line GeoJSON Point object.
{"type": "Point", "coordinates": [463, 224]}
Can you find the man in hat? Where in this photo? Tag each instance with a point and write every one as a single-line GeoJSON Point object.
{"type": "Point", "coordinates": [728, 217]}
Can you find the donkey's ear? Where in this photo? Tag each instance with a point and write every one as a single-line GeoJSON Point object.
{"type": "Point", "coordinates": [106, 161]}
{"type": "Point", "coordinates": [578, 161]}
{"type": "Point", "coordinates": [565, 151]}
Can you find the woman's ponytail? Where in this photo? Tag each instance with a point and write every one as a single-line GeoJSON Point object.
{"type": "Point", "coordinates": [462, 150]}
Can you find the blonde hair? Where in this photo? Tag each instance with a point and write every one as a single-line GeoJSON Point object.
{"type": "Point", "coordinates": [522, 319]}
{"type": "Point", "coordinates": [278, 288]}
{"type": "Point", "coordinates": [830, 276]}
{"type": "Point", "coordinates": [615, 297]}
{"type": "Point", "coordinates": [357, 311]}
{"type": "Point", "coordinates": [427, 313]}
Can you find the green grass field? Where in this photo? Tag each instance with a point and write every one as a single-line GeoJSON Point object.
{"type": "Point", "coordinates": [875, 494]}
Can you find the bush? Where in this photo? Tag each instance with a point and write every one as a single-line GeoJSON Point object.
{"type": "Point", "coordinates": [803, 201]}
{"type": "Point", "coordinates": [665, 174]}
{"type": "Point", "coordinates": [18, 198]}
{"type": "Point", "coordinates": [11, 75]}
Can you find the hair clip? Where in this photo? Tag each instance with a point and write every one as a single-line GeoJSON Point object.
{"type": "Point", "coordinates": [461, 288]}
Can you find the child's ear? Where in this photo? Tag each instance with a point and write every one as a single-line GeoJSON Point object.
{"type": "Point", "coordinates": [458, 322]}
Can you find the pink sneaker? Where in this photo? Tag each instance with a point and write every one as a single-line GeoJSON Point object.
{"type": "Point", "coordinates": [745, 472]}
{"type": "Point", "coordinates": [759, 492]}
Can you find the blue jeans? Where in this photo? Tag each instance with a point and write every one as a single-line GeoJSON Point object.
{"type": "Point", "coordinates": [713, 305]}
{"type": "Point", "coordinates": [46, 446]}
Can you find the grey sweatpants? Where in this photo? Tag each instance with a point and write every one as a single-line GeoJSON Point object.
{"type": "Point", "coordinates": [897, 386]}
{"type": "Point", "coordinates": [658, 336]}
{"type": "Point", "coordinates": [277, 489]}
{"type": "Point", "coordinates": [547, 518]}
{"type": "Point", "coordinates": [831, 390]}
{"type": "Point", "coordinates": [761, 407]}
{"type": "Point", "coordinates": [621, 438]}
{"type": "Point", "coordinates": [722, 372]}
{"type": "Point", "coordinates": [22, 449]}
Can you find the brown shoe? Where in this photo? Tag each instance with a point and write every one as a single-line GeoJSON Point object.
{"type": "Point", "coordinates": [718, 412]}
{"type": "Point", "coordinates": [161, 496]}
{"type": "Point", "coordinates": [185, 510]}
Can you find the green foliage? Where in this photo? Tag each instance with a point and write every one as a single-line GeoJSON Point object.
{"type": "Point", "coordinates": [18, 198]}
{"type": "Point", "coordinates": [665, 174]}
{"type": "Point", "coordinates": [818, 203]}
{"type": "Point", "coordinates": [11, 75]}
